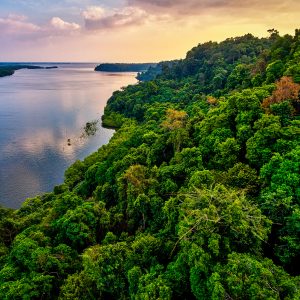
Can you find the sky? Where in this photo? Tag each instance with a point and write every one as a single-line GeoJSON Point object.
{"type": "Point", "coordinates": [132, 30]}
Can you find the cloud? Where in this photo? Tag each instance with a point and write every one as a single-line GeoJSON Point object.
{"type": "Point", "coordinates": [98, 18]}
{"type": "Point", "coordinates": [18, 27]}
{"type": "Point", "coordinates": [60, 24]}
{"type": "Point", "coordinates": [179, 3]}
{"type": "Point", "coordinates": [196, 7]}
{"type": "Point", "coordinates": [94, 13]}
{"type": "Point", "coordinates": [179, 7]}
{"type": "Point", "coordinates": [15, 24]}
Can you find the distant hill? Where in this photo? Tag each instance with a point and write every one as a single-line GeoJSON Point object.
{"type": "Point", "coordinates": [124, 67]}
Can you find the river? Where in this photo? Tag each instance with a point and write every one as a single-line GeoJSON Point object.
{"type": "Point", "coordinates": [42, 115]}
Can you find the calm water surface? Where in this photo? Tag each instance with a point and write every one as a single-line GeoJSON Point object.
{"type": "Point", "coordinates": [39, 111]}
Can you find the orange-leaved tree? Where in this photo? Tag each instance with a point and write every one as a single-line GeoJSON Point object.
{"type": "Point", "coordinates": [286, 90]}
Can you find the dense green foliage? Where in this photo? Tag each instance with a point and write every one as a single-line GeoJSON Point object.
{"type": "Point", "coordinates": [196, 196]}
{"type": "Point", "coordinates": [123, 67]}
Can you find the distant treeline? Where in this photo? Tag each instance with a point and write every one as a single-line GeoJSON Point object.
{"type": "Point", "coordinates": [9, 69]}
{"type": "Point", "coordinates": [146, 71]}
{"type": "Point", "coordinates": [153, 71]}
{"type": "Point", "coordinates": [124, 67]}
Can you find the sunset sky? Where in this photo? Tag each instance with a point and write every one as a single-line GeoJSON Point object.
{"type": "Point", "coordinates": [131, 30]}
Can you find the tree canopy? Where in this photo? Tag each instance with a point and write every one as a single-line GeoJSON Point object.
{"type": "Point", "coordinates": [196, 196]}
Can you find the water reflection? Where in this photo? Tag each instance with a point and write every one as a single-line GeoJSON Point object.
{"type": "Point", "coordinates": [39, 111]}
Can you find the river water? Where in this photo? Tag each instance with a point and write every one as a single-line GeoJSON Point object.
{"type": "Point", "coordinates": [39, 111]}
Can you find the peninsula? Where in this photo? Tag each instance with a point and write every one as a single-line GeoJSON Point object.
{"type": "Point", "coordinates": [124, 67]}
{"type": "Point", "coordinates": [8, 69]}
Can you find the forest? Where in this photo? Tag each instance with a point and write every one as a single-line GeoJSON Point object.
{"type": "Point", "coordinates": [196, 196]}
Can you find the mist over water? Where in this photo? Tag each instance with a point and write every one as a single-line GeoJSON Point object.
{"type": "Point", "coordinates": [39, 111]}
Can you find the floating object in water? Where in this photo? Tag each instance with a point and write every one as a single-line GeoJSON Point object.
{"type": "Point", "coordinates": [69, 142]}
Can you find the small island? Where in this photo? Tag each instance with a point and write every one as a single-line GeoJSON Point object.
{"type": "Point", "coordinates": [8, 69]}
{"type": "Point", "coordinates": [124, 67]}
